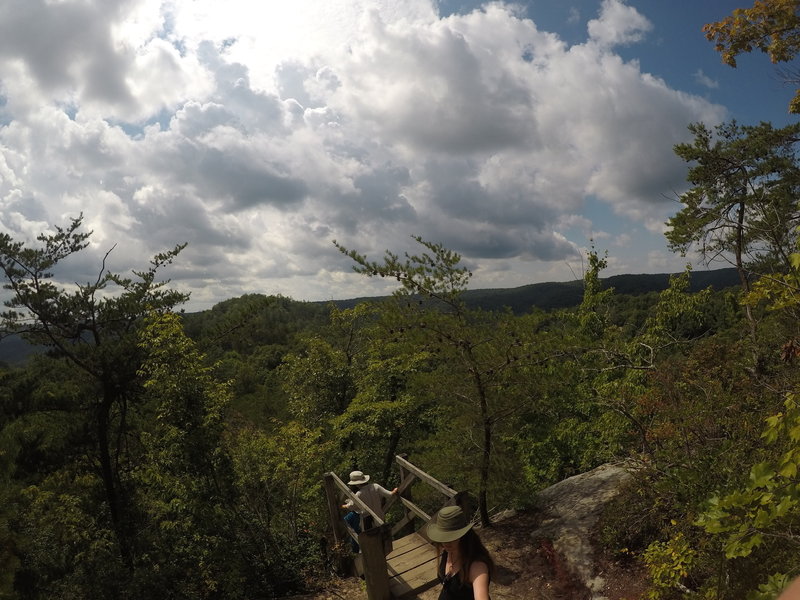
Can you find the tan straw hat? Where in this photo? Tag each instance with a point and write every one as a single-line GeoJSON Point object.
{"type": "Point", "coordinates": [448, 525]}
{"type": "Point", "coordinates": [358, 478]}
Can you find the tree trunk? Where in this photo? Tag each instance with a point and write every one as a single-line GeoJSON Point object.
{"type": "Point", "coordinates": [110, 481]}
{"type": "Point", "coordinates": [486, 454]}
{"type": "Point", "coordinates": [740, 248]}
{"type": "Point", "coordinates": [394, 442]}
{"type": "Point", "coordinates": [748, 310]}
{"type": "Point", "coordinates": [485, 462]}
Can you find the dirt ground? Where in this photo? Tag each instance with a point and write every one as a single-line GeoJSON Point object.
{"type": "Point", "coordinates": [527, 569]}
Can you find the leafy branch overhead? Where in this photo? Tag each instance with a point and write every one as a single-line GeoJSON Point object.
{"type": "Point", "coordinates": [771, 26]}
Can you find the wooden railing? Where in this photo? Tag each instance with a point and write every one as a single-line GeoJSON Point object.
{"type": "Point", "coordinates": [408, 474]}
{"type": "Point", "coordinates": [376, 541]}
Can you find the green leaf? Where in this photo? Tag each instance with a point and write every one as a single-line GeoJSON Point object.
{"type": "Point", "coordinates": [784, 506]}
{"type": "Point", "coordinates": [761, 475]}
{"type": "Point", "coordinates": [788, 470]}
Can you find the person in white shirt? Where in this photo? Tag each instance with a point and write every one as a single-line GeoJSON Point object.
{"type": "Point", "coordinates": [372, 495]}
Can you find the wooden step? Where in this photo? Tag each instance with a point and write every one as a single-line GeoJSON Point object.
{"type": "Point", "coordinates": [412, 566]}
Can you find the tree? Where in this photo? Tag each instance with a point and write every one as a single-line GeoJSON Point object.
{"type": "Point", "coordinates": [479, 357]}
{"type": "Point", "coordinates": [93, 327]}
{"type": "Point", "coordinates": [743, 203]}
{"type": "Point", "coordinates": [759, 517]}
{"type": "Point", "coordinates": [182, 480]}
{"type": "Point", "coordinates": [392, 407]}
{"type": "Point", "coordinates": [617, 365]}
{"type": "Point", "coordinates": [318, 381]}
{"type": "Point", "coordinates": [764, 511]}
{"type": "Point", "coordinates": [360, 386]}
{"type": "Point", "coordinates": [771, 26]}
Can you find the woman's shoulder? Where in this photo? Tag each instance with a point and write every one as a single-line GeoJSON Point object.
{"type": "Point", "coordinates": [478, 568]}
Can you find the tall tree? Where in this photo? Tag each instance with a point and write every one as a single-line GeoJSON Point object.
{"type": "Point", "coordinates": [93, 327]}
{"type": "Point", "coordinates": [479, 356]}
{"type": "Point", "coordinates": [743, 203]}
{"type": "Point", "coordinates": [182, 484]}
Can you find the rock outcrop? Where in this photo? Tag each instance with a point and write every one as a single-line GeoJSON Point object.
{"type": "Point", "coordinates": [570, 509]}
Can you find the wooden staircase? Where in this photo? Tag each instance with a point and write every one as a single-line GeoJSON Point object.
{"type": "Point", "coordinates": [392, 569]}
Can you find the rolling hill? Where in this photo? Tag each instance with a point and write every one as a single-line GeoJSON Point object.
{"type": "Point", "coordinates": [520, 300]}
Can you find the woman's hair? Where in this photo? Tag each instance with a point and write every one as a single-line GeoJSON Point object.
{"type": "Point", "coordinates": [471, 550]}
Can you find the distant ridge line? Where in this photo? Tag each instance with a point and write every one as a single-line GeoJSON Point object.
{"type": "Point", "coordinates": [520, 300]}
{"type": "Point", "coordinates": [566, 294]}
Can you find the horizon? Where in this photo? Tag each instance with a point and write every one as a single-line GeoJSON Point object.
{"type": "Point", "coordinates": [481, 289]}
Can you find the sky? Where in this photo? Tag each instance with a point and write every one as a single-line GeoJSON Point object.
{"type": "Point", "coordinates": [518, 135]}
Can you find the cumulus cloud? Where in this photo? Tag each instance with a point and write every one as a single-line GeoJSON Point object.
{"type": "Point", "coordinates": [618, 24]}
{"type": "Point", "coordinates": [67, 46]}
{"type": "Point", "coordinates": [259, 138]}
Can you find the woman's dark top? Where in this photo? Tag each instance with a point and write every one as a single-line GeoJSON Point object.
{"type": "Point", "coordinates": [452, 586]}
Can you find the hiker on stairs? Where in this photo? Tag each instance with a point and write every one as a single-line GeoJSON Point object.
{"type": "Point", "coordinates": [372, 495]}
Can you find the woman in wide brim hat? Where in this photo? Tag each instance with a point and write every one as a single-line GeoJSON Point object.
{"type": "Point", "coordinates": [465, 567]}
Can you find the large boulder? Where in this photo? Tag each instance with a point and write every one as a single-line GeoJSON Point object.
{"type": "Point", "coordinates": [570, 509]}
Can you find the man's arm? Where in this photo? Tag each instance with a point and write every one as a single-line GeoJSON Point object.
{"type": "Point", "coordinates": [384, 492]}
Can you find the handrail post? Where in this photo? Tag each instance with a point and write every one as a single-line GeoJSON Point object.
{"type": "Point", "coordinates": [376, 573]}
{"type": "Point", "coordinates": [408, 516]}
{"type": "Point", "coordinates": [333, 510]}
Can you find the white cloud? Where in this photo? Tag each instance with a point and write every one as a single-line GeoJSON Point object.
{"type": "Point", "coordinates": [705, 80]}
{"type": "Point", "coordinates": [623, 240]}
{"type": "Point", "coordinates": [618, 24]}
{"type": "Point", "coordinates": [67, 46]}
{"type": "Point", "coordinates": [209, 123]}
